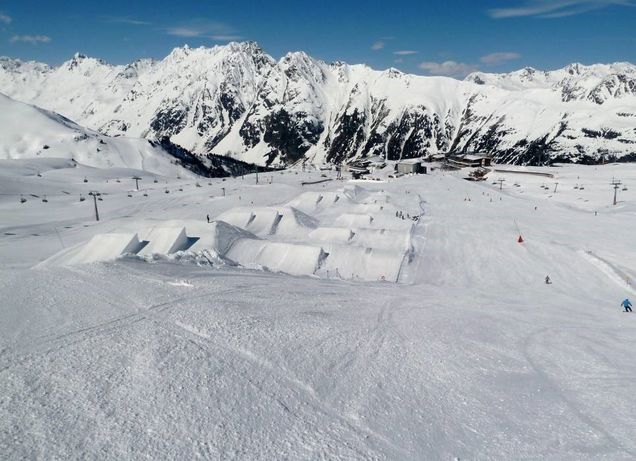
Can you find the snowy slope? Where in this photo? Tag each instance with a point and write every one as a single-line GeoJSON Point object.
{"type": "Point", "coordinates": [28, 132]}
{"type": "Point", "coordinates": [470, 356]}
{"type": "Point", "coordinates": [236, 100]}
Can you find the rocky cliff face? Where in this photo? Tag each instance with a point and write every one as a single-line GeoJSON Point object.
{"type": "Point", "coordinates": [237, 101]}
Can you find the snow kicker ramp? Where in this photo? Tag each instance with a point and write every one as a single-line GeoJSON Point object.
{"type": "Point", "coordinates": [102, 247]}
{"type": "Point", "coordinates": [165, 240]}
{"type": "Point", "coordinates": [384, 239]}
{"type": "Point", "coordinates": [310, 201]}
{"type": "Point", "coordinates": [289, 258]}
{"type": "Point", "coordinates": [222, 237]}
{"type": "Point", "coordinates": [263, 221]}
{"type": "Point", "coordinates": [354, 220]}
{"type": "Point", "coordinates": [359, 263]}
{"type": "Point", "coordinates": [339, 235]}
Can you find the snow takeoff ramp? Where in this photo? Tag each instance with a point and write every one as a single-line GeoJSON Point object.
{"type": "Point", "coordinates": [278, 257]}
{"type": "Point", "coordinates": [102, 247]}
{"type": "Point", "coordinates": [165, 240]}
{"type": "Point", "coordinates": [264, 221]}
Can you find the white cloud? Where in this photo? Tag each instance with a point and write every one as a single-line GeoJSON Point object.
{"type": "Point", "coordinates": [496, 58]}
{"type": "Point", "coordinates": [127, 20]}
{"type": "Point", "coordinates": [203, 28]}
{"type": "Point", "coordinates": [5, 18]}
{"type": "Point", "coordinates": [448, 68]}
{"type": "Point", "coordinates": [32, 39]}
{"type": "Point", "coordinates": [555, 8]}
{"type": "Point", "coordinates": [405, 52]}
{"type": "Point", "coordinates": [377, 45]}
{"type": "Point", "coordinates": [226, 38]}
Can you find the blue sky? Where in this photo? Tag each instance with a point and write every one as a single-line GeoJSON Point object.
{"type": "Point", "coordinates": [449, 37]}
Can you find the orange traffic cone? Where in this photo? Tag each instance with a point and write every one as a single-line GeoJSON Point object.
{"type": "Point", "coordinates": [520, 239]}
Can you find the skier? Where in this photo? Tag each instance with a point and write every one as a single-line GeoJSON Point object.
{"type": "Point", "coordinates": [627, 305]}
{"type": "Point", "coordinates": [208, 216]}
{"type": "Point", "coordinates": [547, 280]}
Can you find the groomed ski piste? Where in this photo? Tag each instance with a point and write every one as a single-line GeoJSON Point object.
{"type": "Point", "coordinates": [395, 318]}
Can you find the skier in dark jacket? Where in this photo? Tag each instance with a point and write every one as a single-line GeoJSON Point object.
{"type": "Point", "coordinates": [627, 305]}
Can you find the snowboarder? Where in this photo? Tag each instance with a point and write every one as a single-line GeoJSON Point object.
{"type": "Point", "coordinates": [627, 305]}
{"type": "Point", "coordinates": [208, 217]}
{"type": "Point", "coordinates": [547, 280]}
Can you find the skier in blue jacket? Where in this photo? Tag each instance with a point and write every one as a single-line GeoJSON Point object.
{"type": "Point", "coordinates": [627, 305]}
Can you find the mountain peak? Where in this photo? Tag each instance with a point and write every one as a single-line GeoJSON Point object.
{"type": "Point", "coordinates": [80, 59]}
{"type": "Point", "coordinates": [248, 46]}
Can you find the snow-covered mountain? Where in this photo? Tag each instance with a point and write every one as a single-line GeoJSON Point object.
{"type": "Point", "coordinates": [27, 132]}
{"type": "Point", "coordinates": [237, 101]}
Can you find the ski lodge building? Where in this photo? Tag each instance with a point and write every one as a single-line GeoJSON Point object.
{"type": "Point", "coordinates": [410, 166]}
{"type": "Point", "coordinates": [470, 160]}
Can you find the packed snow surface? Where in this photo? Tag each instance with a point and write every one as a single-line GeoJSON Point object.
{"type": "Point", "coordinates": [187, 339]}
